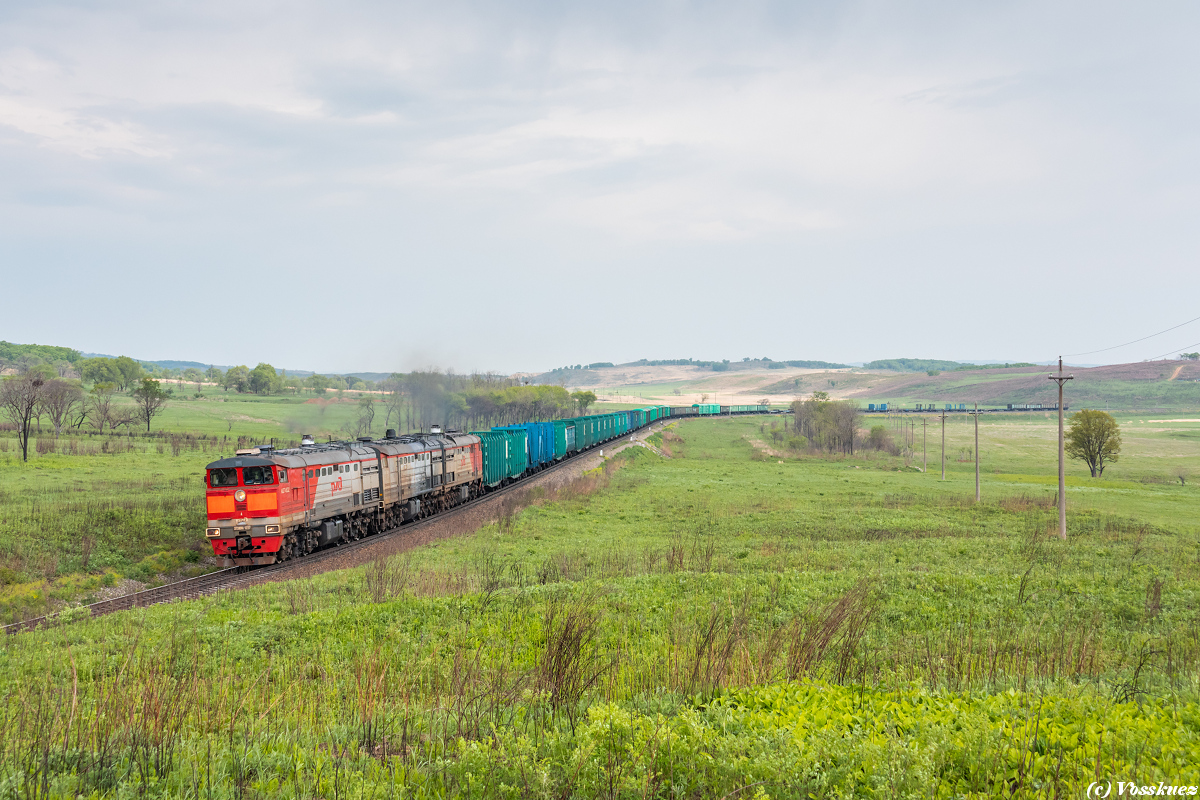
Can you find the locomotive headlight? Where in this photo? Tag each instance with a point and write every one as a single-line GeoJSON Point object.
{"type": "Point", "coordinates": [240, 495]}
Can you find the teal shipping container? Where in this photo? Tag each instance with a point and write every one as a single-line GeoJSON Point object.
{"type": "Point", "coordinates": [495, 456]}
{"type": "Point", "coordinates": [564, 438]}
{"type": "Point", "coordinates": [518, 451]}
{"type": "Point", "coordinates": [585, 432]}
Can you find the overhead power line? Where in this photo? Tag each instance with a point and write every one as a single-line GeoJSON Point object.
{"type": "Point", "coordinates": [1135, 341]}
{"type": "Point", "coordinates": [1174, 350]}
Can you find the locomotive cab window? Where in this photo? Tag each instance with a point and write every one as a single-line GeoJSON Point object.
{"type": "Point", "coordinates": [222, 477]}
{"type": "Point", "coordinates": [257, 476]}
{"type": "Point", "coordinates": [283, 475]}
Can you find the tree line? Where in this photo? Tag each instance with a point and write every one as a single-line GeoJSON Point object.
{"type": "Point", "coordinates": [37, 393]}
{"type": "Point", "coordinates": [418, 399]}
{"type": "Point", "coordinates": [824, 424]}
{"type": "Point", "coordinates": [411, 401]}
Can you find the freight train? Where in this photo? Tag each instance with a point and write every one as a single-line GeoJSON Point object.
{"type": "Point", "coordinates": [884, 408]}
{"type": "Point", "coordinates": [266, 505]}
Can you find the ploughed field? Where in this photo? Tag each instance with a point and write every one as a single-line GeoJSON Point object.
{"type": "Point", "coordinates": [719, 620]}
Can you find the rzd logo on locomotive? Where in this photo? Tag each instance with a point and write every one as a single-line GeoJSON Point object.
{"type": "Point", "coordinates": [336, 486]}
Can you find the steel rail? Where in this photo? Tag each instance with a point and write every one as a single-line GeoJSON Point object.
{"type": "Point", "coordinates": [230, 577]}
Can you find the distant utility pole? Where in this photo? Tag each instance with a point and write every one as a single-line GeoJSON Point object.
{"type": "Point", "coordinates": [943, 444]}
{"type": "Point", "coordinates": [1060, 379]}
{"type": "Point", "coordinates": [924, 459]}
{"type": "Point", "coordinates": [977, 452]}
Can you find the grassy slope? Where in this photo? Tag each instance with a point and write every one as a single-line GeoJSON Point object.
{"type": "Point", "coordinates": [1120, 386]}
{"type": "Point", "coordinates": [1143, 385]}
{"type": "Point", "coordinates": [694, 588]}
{"type": "Point", "coordinates": [138, 502]}
{"type": "Point", "coordinates": [142, 506]}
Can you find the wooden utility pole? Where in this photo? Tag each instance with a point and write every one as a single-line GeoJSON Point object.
{"type": "Point", "coordinates": [977, 452]}
{"type": "Point", "coordinates": [1060, 379]}
{"type": "Point", "coordinates": [943, 444]}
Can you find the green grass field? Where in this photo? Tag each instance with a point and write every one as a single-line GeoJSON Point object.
{"type": "Point", "coordinates": [92, 509]}
{"type": "Point", "coordinates": [721, 622]}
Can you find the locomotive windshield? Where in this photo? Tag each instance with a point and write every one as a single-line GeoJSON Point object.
{"type": "Point", "coordinates": [257, 476]}
{"type": "Point", "coordinates": [222, 477]}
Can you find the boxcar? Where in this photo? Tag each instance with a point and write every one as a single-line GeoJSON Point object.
{"type": "Point", "coordinates": [539, 441]}
{"type": "Point", "coordinates": [564, 438]}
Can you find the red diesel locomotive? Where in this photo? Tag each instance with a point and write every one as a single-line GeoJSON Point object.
{"type": "Point", "coordinates": [268, 505]}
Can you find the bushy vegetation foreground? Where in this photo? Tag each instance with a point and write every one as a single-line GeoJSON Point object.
{"type": "Point", "coordinates": [711, 624]}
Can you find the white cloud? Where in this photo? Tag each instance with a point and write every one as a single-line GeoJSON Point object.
{"type": "Point", "coordinates": [848, 139]}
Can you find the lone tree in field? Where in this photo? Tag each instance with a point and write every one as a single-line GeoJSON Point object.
{"type": "Point", "coordinates": [150, 399]}
{"type": "Point", "coordinates": [1094, 437]}
{"type": "Point", "coordinates": [19, 399]}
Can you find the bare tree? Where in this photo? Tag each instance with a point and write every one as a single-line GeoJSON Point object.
{"type": "Point", "coordinates": [122, 416]}
{"type": "Point", "coordinates": [19, 398]}
{"type": "Point", "coordinates": [366, 415]}
{"type": "Point", "coordinates": [100, 400]}
{"type": "Point", "coordinates": [59, 401]}
{"type": "Point", "coordinates": [393, 397]}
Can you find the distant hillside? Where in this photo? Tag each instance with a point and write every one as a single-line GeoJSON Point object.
{"type": "Point", "coordinates": [936, 365]}
{"type": "Point", "coordinates": [11, 353]}
{"type": "Point", "coordinates": [585, 374]}
{"type": "Point", "coordinates": [1140, 385]}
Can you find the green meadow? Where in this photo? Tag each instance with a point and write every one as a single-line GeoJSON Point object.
{"type": "Point", "coordinates": [721, 621]}
{"type": "Point", "coordinates": [89, 510]}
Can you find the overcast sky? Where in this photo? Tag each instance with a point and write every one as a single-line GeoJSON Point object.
{"type": "Point", "coordinates": [518, 186]}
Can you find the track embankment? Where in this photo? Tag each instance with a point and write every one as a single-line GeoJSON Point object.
{"type": "Point", "coordinates": [458, 521]}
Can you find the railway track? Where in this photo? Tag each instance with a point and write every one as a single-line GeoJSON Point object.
{"type": "Point", "coordinates": [241, 577]}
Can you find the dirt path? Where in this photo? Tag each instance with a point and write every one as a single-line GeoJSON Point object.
{"type": "Point", "coordinates": [1175, 374]}
{"type": "Point", "coordinates": [759, 444]}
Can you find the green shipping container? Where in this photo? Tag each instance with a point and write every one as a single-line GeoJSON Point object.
{"type": "Point", "coordinates": [518, 451]}
{"type": "Point", "coordinates": [564, 437]}
{"type": "Point", "coordinates": [495, 456]}
{"type": "Point", "coordinates": [585, 432]}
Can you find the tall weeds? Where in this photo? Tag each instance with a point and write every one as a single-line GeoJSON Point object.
{"type": "Point", "coordinates": [830, 632]}
{"type": "Point", "coordinates": [570, 664]}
